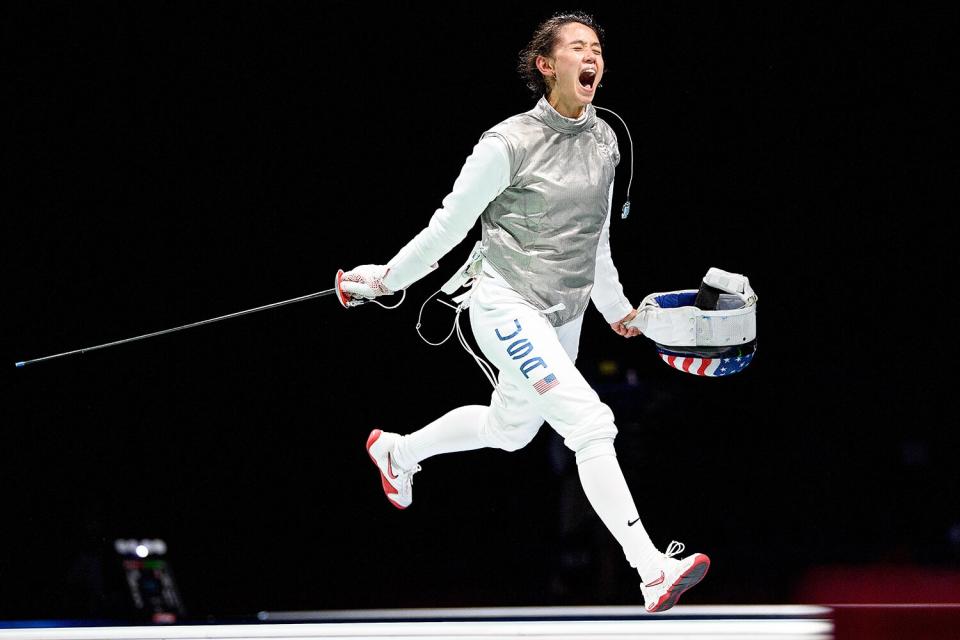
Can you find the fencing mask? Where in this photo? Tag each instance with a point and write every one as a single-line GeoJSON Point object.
{"type": "Point", "coordinates": [707, 332]}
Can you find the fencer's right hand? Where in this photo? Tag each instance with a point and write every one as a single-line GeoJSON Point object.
{"type": "Point", "coordinates": [365, 282]}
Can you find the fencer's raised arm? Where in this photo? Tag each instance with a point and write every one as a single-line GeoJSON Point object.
{"type": "Point", "coordinates": [607, 293]}
{"type": "Point", "coordinates": [485, 173]}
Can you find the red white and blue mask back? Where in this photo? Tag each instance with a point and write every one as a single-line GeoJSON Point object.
{"type": "Point", "coordinates": [710, 332]}
{"type": "Point", "coordinates": [712, 365]}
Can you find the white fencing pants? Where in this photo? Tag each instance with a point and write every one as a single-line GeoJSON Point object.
{"type": "Point", "coordinates": [538, 380]}
{"type": "Point", "coordinates": [537, 377]}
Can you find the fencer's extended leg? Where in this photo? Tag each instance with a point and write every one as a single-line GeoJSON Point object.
{"type": "Point", "coordinates": [608, 493]}
{"type": "Point", "coordinates": [663, 579]}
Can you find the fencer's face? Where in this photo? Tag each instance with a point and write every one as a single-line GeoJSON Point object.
{"type": "Point", "coordinates": [576, 65]}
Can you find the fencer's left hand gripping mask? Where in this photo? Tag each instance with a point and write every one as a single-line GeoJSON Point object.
{"type": "Point", "coordinates": [708, 332]}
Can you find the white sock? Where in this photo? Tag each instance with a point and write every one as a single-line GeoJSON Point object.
{"type": "Point", "coordinates": [607, 491]}
{"type": "Point", "coordinates": [458, 430]}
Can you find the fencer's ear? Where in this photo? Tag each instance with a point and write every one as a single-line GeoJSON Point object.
{"type": "Point", "coordinates": [545, 65]}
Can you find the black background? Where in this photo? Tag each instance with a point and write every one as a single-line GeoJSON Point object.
{"type": "Point", "coordinates": [169, 162]}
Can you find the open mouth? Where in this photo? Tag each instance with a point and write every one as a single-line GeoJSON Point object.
{"type": "Point", "coordinates": [587, 78]}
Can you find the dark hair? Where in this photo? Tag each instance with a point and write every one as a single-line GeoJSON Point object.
{"type": "Point", "coordinates": [542, 43]}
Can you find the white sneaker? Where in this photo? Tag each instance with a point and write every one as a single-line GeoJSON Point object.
{"type": "Point", "coordinates": [676, 576]}
{"type": "Point", "coordinates": [397, 483]}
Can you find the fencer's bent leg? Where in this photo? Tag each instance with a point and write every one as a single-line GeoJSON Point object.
{"type": "Point", "coordinates": [513, 420]}
{"type": "Point", "coordinates": [458, 430]}
{"type": "Point", "coordinates": [509, 423]}
{"type": "Point", "coordinates": [534, 364]}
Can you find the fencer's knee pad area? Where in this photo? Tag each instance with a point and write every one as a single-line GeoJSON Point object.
{"type": "Point", "coordinates": [595, 448]}
{"type": "Point", "coordinates": [594, 427]}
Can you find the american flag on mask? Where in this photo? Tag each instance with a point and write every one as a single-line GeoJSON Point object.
{"type": "Point", "coordinates": [544, 385]}
{"type": "Point", "coordinates": [710, 367]}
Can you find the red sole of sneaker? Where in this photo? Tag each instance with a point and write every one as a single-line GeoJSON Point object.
{"type": "Point", "coordinates": [387, 487]}
{"type": "Point", "coordinates": [688, 579]}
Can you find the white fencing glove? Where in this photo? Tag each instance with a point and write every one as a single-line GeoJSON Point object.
{"type": "Point", "coordinates": [363, 282]}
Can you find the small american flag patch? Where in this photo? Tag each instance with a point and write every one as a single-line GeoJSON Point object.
{"type": "Point", "coordinates": [542, 386]}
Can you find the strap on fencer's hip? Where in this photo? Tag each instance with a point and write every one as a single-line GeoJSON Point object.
{"type": "Point", "coordinates": [463, 300]}
{"type": "Point", "coordinates": [465, 276]}
{"type": "Point", "coordinates": [467, 271]}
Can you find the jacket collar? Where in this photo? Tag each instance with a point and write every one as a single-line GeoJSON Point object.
{"type": "Point", "coordinates": [552, 118]}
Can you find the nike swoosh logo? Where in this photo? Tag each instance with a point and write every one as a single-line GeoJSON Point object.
{"type": "Point", "coordinates": [390, 472]}
{"type": "Point", "coordinates": [630, 524]}
{"type": "Point", "coordinates": [657, 581]}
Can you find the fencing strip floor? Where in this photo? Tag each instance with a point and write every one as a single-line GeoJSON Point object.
{"type": "Point", "coordinates": [543, 623]}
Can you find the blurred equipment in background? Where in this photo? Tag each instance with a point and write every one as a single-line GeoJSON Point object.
{"type": "Point", "coordinates": [150, 579]}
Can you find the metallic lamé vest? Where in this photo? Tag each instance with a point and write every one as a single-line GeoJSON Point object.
{"type": "Point", "coordinates": [541, 233]}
